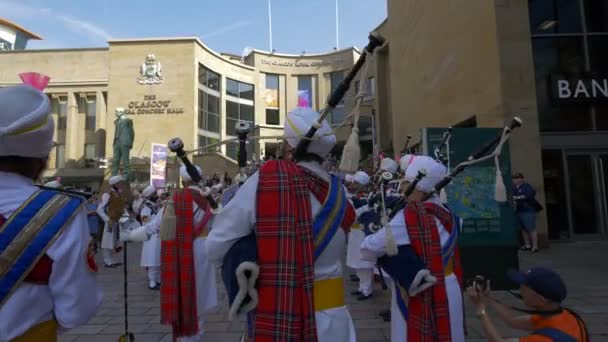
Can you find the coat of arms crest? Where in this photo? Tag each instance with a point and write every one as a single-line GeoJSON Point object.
{"type": "Point", "coordinates": [150, 72]}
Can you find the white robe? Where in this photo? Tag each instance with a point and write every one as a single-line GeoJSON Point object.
{"type": "Point", "coordinates": [150, 250]}
{"type": "Point", "coordinates": [238, 219]}
{"type": "Point", "coordinates": [108, 239]}
{"type": "Point", "coordinates": [374, 246]}
{"type": "Point", "coordinates": [72, 295]}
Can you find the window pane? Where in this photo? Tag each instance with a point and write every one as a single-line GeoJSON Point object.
{"type": "Point", "coordinates": [596, 13]}
{"type": "Point", "coordinates": [557, 16]}
{"type": "Point", "coordinates": [232, 110]}
{"type": "Point", "coordinates": [82, 103]}
{"type": "Point", "coordinates": [246, 112]}
{"type": "Point", "coordinates": [598, 53]}
{"type": "Point", "coordinates": [209, 78]}
{"type": "Point", "coordinates": [555, 195]}
{"type": "Point", "coordinates": [213, 104]}
{"type": "Point", "coordinates": [230, 126]}
{"type": "Point", "coordinates": [63, 106]}
{"type": "Point", "coordinates": [89, 151]}
{"type": "Point", "coordinates": [246, 91]}
{"type": "Point", "coordinates": [305, 91]}
{"type": "Point", "coordinates": [213, 122]}
{"type": "Point", "coordinates": [371, 87]}
{"type": "Point", "coordinates": [232, 150]}
{"type": "Point", "coordinates": [337, 116]}
{"type": "Point", "coordinates": [232, 87]}
{"type": "Point", "coordinates": [558, 56]}
{"type": "Point", "coordinates": [272, 117]}
{"type": "Point", "coordinates": [90, 113]}
{"type": "Point", "coordinates": [206, 141]}
{"type": "Point", "coordinates": [272, 81]}
{"type": "Point", "coordinates": [601, 117]}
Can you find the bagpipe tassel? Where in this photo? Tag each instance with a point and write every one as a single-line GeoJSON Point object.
{"type": "Point", "coordinates": [391, 243]}
{"type": "Point", "coordinates": [500, 191]}
{"type": "Point", "coordinates": [169, 223]}
{"type": "Point", "coordinates": [443, 196]}
{"type": "Point", "coordinates": [351, 153]}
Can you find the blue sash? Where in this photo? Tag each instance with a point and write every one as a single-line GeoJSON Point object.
{"type": "Point", "coordinates": [329, 218]}
{"type": "Point", "coordinates": [447, 251]}
{"type": "Point", "coordinates": [27, 234]}
{"type": "Point", "coordinates": [554, 334]}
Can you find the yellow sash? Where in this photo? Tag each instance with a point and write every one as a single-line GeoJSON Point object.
{"type": "Point", "coordinates": [43, 332]}
{"type": "Point", "coordinates": [329, 293]}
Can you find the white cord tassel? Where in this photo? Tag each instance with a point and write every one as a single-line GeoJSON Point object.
{"type": "Point", "coordinates": [391, 244]}
{"type": "Point", "coordinates": [168, 225]}
{"type": "Point", "coordinates": [500, 194]}
{"type": "Point", "coordinates": [443, 196]}
{"type": "Point", "coordinates": [351, 154]}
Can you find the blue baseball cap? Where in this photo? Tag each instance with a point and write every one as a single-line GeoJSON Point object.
{"type": "Point", "coordinates": [543, 281]}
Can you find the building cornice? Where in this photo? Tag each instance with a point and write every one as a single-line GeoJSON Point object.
{"type": "Point", "coordinates": [84, 83]}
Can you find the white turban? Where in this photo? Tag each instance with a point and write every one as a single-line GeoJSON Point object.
{"type": "Point", "coordinates": [299, 121]}
{"type": "Point", "coordinates": [349, 178]}
{"type": "Point", "coordinates": [405, 161]}
{"type": "Point", "coordinates": [26, 124]}
{"type": "Point", "coordinates": [184, 174]}
{"type": "Point", "coordinates": [53, 184]}
{"type": "Point", "coordinates": [388, 165]}
{"type": "Point", "coordinates": [115, 180]}
{"type": "Point", "coordinates": [361, 178]}
{"type": "Point", "coordinates": [149, 191]}
{"type": "Point", "coordinates": [435, 172]}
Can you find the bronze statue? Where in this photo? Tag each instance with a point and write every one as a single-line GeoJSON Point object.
{"type": "Point", "coordinates": [123, 142]}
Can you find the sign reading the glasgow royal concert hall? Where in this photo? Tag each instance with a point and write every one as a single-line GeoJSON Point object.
{"type": "Point", "coordinates": [579, 88]}
{"type": "Point", "coordinates": [152, 105]}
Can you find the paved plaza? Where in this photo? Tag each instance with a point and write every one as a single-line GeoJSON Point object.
{"type": "Point", "coordinates": [582, 265]}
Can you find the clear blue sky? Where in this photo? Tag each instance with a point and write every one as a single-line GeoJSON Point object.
{"type": "Point", "coordinates": [224, 25]}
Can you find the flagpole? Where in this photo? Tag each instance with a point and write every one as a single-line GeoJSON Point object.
{"type": "Point", "coordinates": [337, 25]}
{"type": "Point", "coordinates": [270, 25]}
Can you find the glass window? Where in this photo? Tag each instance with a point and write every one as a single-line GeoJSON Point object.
{"type": "Point", "coordinates": [59, 107]}
{"type": "Point", "coordinates": [208, 112]}
{"type": "Point", "coordinates": [371, 88]}
{"type": "Point", "coordinates": [208, 78]}
{"type": "Point", "coordinates": [305, 95]}
{"type": "Point", "coordinates": [90, 112]}
{"type": "Point", "coordinates": [59, 156]}
{"type": "Point", "coordinates": [89, 151]}
{"type": "Point", "coordinates": [232, 110]}
{"type": "Point", "coordinates": [601, 117]}
{"type": "Point", "coordinates": [555, 195]}
{"type": "Point", "coordinates": [232, 150]}
{"type": "Point", "coordinates": [598, 53]}
{"type": "Point", "coordinates": [272, 116]}
{"type": "Point", "coordinates": [558, 56]}
{"type": "Point", "coordinates": [237, 112]}
{"type": "Point", "coordinates": [246, 91]}
{"type": "Point", "coordinates": [246, 112]}
{"type": "Point", "coordinates": [555, 16]}
{"type": "Point", "coordinates": [206, 141]}
{"type": "Point", "coordinates": [232, 87]}
{"type": "Point", "coordinates": [272, 81]}
{"type": "Point", "coordinates": [596, 13]}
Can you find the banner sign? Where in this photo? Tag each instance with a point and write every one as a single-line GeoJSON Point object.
{"type": "Point", "coordinates": [158, 165]}
{"type": "Point", "coordinates": [579, 88]}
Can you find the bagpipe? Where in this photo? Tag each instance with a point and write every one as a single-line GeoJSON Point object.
{"type": "Point", "coordinates": [239, 267]}
{"type": "Point", "coordinates": [414, 278]}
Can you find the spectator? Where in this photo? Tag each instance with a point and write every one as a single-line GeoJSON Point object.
{"type": "Point", "coordinates": [543, 291]}
{"type": "Point", "coordinates": [525, 209]}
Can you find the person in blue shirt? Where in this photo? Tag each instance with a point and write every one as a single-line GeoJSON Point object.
{"type": "Point", "coordinates": [523, 195]}
{"type": "Point", "coordinates": [93, 218]}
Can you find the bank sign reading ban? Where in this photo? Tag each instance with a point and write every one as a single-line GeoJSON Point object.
{"type": "Point", "coordinates": [581, 88]}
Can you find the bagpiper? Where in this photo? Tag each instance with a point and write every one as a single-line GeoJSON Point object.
{"type": "Point", "coordinates": [150, 250]}
{"type": "Point", "coordinates": [48, 272]}
{"type": "Point", "coordinates": [427, 235]}
{"type": "Point", "coordinates": [292, 217]}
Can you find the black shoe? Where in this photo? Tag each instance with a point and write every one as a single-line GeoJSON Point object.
{"type": "Point", "coordinates": [155, 287]}
{"type": "Point", "coordinates": [364, 297]}
{"type": "Point", "coordinates": [108, 266]}
{"type": "Point", "coordinates": [354, 277]}
{"type": "Point", "coordinates": [525, 248]}
{"type": "Point", "coordinates": [356, 293]}
{"type": "Point", "coordinates": [116, 264]}
{"type": "Point", "coordinates": [534, 250]}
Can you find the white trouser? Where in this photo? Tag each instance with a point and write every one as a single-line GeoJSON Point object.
{"type": "Point", "coordinates": [366, 280]}
{"type": "Point", "coordinates": [154, 275]}
{"type": "Point", "coordinates": [198, 337]}
{"type": "Point", "coordinates": [109, 256]}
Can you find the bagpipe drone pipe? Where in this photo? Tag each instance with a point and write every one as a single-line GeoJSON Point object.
{"type": "Point", "coordinates": [239, 267]}
{"type": "Point", "coordinates": [393, 265]}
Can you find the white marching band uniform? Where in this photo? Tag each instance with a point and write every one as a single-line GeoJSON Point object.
{"type": "Point", "coordinates": [363, 268]}
{"type": "Point", "coordinates": [109, 237]}
{"type": "Point", "coordinates": [374, 246]}
{"type": "Point", "coordinates": [238, 220]}
{"type": "Point", "coordinates": [71, 294]}
{"type": "Point", "coordinates": [150, 250]}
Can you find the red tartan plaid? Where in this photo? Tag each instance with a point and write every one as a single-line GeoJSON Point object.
{"type": "Point", "coordinates": [203, 205]}
{"type": "Point", "coordinates": [429, 314]}
{"type": "Point", "coordinates": [178, 290]}
{"type": "Point", "coordinates": [285, 312]}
